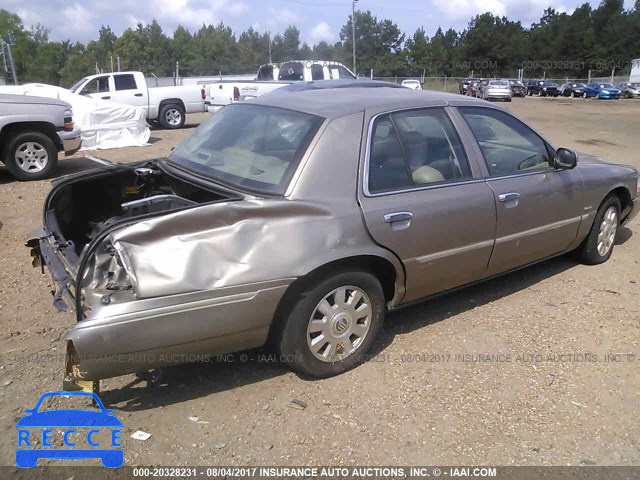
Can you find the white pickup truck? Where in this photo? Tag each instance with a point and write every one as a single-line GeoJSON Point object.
{"type": "Point", "coordinates": [167, 106]}
{"type": "Point", "coordinates": [273, 76]}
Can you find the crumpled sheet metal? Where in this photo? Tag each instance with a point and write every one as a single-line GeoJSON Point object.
{"type": "Point", "coordinates": [234, 243]}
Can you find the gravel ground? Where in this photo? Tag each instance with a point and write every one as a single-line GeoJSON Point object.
{"type": "Point", "coordinates": [514, 371]}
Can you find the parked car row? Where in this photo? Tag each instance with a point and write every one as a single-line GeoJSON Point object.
{"type": "Point", "coordinates": [495, 89]}
{"type": "Point", "coordinates": [485, 88]}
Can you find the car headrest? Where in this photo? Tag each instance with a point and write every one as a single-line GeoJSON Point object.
{"type": "Point", "coordinates": [427, 174]}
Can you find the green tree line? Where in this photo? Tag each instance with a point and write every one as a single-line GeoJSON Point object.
{"type": "Point", "coordinates": [589, 39]}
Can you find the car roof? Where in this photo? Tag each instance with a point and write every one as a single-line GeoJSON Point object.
{"type": "Point", "coordinates": [337, 102]}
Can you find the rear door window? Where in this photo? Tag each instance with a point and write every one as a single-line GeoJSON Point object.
{"type": "Point", "coordinates": [125, 82]}
{"type": "Point", "coordinates": [415, 148]}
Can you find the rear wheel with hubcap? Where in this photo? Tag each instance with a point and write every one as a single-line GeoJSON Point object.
{"type": "Point", "coordinates": [172, 116]}
{"type": "Point", "coordinates": [598, 245]}
{"type": "Point", "coordinates": [30, 156]}
{"type": "Point", "coordinates": [333, 325]}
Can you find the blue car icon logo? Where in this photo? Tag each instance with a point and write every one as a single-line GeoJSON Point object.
{"type": "Point", "coordinates": [37, 422]}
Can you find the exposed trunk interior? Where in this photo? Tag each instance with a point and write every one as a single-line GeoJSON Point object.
{"type": "Point", "coordinates": [79, 211]}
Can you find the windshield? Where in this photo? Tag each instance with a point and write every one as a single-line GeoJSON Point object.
{"type": "Point", "coordinates": [76, 85]}
{"type": "Point", "coordinates": [606, 85]}
{"type": "Point", "coordinates": [499, 83]}
{"type": "Point", "coordinates": [248, 146]}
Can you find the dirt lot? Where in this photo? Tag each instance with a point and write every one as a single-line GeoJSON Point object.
{"type": "Point", "coordinates": [421, 401]}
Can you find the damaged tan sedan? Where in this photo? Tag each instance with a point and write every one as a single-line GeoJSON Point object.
{"type": "Point", "coordinates": [303, 217]}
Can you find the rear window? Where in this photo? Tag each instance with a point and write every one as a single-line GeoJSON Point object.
{"type": "Point", "coordinates": [125, 82]}
{"type": "Point", "coordinates": [251, 147]}
{"type": "Point", "coordinates": [291, 71]}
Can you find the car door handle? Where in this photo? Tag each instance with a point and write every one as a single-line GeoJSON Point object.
{"type": "Point", "coordinates": [137, 94]}
{"type": "Point", "coordinates": [398, 217]}
{"type": "Point", "coordinates": [106, 98]}
{"type": "Point", "coordinates": [505, 197]}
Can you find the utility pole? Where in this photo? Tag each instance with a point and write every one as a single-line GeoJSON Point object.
{"type": "Point", "coordinates": [353, 34]}
{"type": "Point", "coordinates": [270, 61]}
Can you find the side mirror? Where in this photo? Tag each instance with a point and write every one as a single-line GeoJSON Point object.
{"type": "Point", "coordinates": [84, 91]}
{"type": "Point", "coordinates": [565, 159]}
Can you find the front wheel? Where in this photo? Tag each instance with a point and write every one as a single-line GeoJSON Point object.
{"type": "Point", "coordinates": [332, 326]}
{"type": "Point", "coordinates": [172, 116]}
{"type": "Point", "coordinates": [30, 156]}
{"type": "Point", "coordinates": [598, 245]}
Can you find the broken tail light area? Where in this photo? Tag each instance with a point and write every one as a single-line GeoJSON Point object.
{"type": "Point", "coordinates": [108, 278]}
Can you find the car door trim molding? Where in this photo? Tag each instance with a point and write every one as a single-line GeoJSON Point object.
{"type": "Point", "coordinates": [540, 229]}
{"type": "Point", "coordinates": [454, 251]}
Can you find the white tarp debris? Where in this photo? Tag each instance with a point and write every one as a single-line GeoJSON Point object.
{"type": "Point", "coordinates": [104, 124]}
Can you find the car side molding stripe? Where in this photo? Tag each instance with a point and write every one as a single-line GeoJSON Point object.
{"type": "Point", "coordinates": [454, 251]}
{"type": "Point", "coordinates": [543, 228]}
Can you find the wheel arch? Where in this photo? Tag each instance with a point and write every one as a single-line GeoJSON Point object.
{"type": "Point", "coordinates": [380, 267]}
{"type": "Point", "coordinates": [171, 101]}
{"type": "Point", "coordinates": [17, 128]}
{"type": "Point", "coordinates": [623, 194]}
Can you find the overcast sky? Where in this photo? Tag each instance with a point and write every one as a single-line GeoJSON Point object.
{"type": "Point", "coordinates": [317, 19]}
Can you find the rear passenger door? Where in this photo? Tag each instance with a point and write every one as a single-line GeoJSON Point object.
{"type": "Point", "coordinates": [126, 90]}
{"type": "Point", "coordinates": [425, 201]}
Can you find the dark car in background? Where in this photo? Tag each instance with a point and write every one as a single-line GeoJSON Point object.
{"type": "Point", "coordinates": [464, 84]}
{"type": "Point", "coordinates": [473, 89]}
{"type": "Point", "coordinates": [572, 89]}
{"type": "Point", "coordinates": [517, 88]}
{"type": "Point", "coordinates": [629, 90]}
{"type": "Point", "coordinates": [542, 88]}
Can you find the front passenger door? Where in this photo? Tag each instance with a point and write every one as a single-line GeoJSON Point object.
{"type": "Point", "coordinates": [539, 208]}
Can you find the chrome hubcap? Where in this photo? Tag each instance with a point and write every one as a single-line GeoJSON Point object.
{"type": "Point", "coordinates": [339, 324]}
{"type": "Point", "coordinates": [608, 229]}
{"type": "Point", "coordinates": [31, 157]}
{"type": "Point", "coordinates": [173, 117]}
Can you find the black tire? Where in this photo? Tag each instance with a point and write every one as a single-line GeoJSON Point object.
{"type": "Point", "coordinates": [508, 99]}
{"type": "Point", "coordinates": [172, 116]}
{"type": "Point", "coordinates": [294, 336]}
{"type": "Point", "coordinates": [30, 156]}
{"type": "Point", "coordinates": [588, 250]}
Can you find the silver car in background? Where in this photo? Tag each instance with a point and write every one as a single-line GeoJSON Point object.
{"type": "Point", "coordinates": [629, 90]}
{"type": "Point", "coordinates": [301, 218]}
{"type": "Point", "coordinates": [497, 90]}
